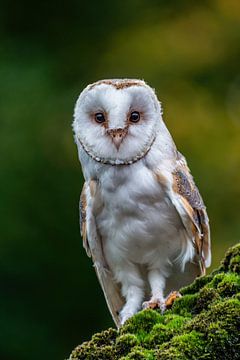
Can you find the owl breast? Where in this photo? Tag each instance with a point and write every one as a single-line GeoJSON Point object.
{"type": "Point", "coordinates": [137, 222]}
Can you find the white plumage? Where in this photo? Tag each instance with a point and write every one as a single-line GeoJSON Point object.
{"type": "Point", "coordinates": [142, 218]}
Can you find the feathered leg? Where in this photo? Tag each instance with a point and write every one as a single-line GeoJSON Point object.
{"type": "Point", "coordinates": [157, 283]}
{"type": "Point", "coordinates": [132, 290]}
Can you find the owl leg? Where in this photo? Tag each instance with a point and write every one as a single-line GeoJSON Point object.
{"type": "Point", "coordinates": [157, 283]}
{"type": "Point", "coordinates": [132, 290]}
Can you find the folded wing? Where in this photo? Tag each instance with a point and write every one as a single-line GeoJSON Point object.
{"type": "Point", "coordinates": [92, 243]}
{"type": "Point", "coordinates": [188, 202]}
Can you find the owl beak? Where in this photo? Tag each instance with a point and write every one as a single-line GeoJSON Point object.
{"type": "Point", "coordinates": [117, 136]}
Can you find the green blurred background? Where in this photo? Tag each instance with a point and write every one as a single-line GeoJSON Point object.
{"type": "Point", "coordinates": [189, 52]}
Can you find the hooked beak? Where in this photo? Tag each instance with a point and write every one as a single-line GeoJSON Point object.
{"type": "Point", "coordinates": [117, 135]}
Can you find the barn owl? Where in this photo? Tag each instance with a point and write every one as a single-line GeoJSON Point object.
{"type": "Point", "coordinates": [142, 218]}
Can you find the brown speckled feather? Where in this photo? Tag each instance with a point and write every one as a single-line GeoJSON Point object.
{"type": "Point", "coordinates": [188, 202]}
{"type": "Point", "coordinates": [82, 214]}
{"type": "Point", "coordinates": [192, 203]}
{"type": "Point", "coordinates": [119, 84]}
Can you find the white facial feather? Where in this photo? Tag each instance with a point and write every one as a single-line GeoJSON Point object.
{"type": "Point", "coordinates": [117, 104]}
{"type": "Point", "coordinates": [140, 212]}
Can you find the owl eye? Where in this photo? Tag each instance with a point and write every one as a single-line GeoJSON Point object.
{"type": "Point", "coordinates": [100, 118]}
{"type": "Point", "coordinates": [134, 117]}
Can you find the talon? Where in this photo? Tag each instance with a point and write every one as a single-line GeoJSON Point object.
{"type": "Point", "coordinates": [171, 298]}
{"type": "Point", "coordinates": [152, 304]}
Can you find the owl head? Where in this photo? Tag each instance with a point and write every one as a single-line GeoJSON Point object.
{"type": "Point", "coordinates": [116, 121]}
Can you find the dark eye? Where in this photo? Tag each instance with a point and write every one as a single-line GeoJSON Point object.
{"type": "Point", "coordinates": [100, 118]}
{"type": "Point", "coordinates": [135, 116]}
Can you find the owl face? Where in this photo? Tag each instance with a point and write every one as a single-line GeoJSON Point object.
{"type": "Point", "coordinates": [116, 121]}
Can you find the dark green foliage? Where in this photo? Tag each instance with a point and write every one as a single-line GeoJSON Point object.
{"type": "Point", "coordinates": [203, 324]}
{"type": "Point", "coordinates": [231, 261]}
{"type": "Point", "coordinates": [106, 337]}
{"type": "Point", "coordinates": [235, 264]}
{"type": "Point", "coordinates": [100, 347]}
{"type": "Point", "coordinates": [125, 343]}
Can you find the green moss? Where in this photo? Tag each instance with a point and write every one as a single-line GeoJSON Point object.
{"type": "Point", "coordinates": [220, 327]}
{"type": "Point", "coordinates": [164, 332]}
{"type": "Point", "coordinates": [232, 253]}
{"type": "Point", "coordinates": [184, 305]}
{"type": "Point", "coordinates": [139, 353]}
{"type": "Point", "coordinates": [100, 347]}
{"type": "Point", "coordinates": [182, 347]}
{"type": "Point", "coordinates": [226, 313]}
{"type": "Point", "coordinates": [106, 337]}
{"type": "Point", "coordinates": [203, 324]}
{"type": "Point", "coordinates": [206, 296]}
{"type": "Point", "coordinates": [125, 343]}
{"type": "Point", "coordinates": [230, 285]}
{"type": "Point", "coordinates": [196, 285]}
{"type": "Point", "coordinates": [142, 322]}
{"type": "Point", "coordinates": [90, 352]}
{"type": "Point", "coordinates": [234, 264]}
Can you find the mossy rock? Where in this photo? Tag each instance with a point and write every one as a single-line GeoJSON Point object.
{"type": "Point", "coordinates": [203, 324]}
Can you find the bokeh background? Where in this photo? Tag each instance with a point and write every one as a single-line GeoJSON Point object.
{"type": "Point", "coordinates": [189, 51]}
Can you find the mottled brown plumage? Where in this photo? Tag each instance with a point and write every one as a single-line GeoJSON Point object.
{"type": "Point", "coordinates": [184, 185]}
{"type": "Point", "coordinates": [118, 84]}
{"type": "Point", "coordinates": [83, 220]}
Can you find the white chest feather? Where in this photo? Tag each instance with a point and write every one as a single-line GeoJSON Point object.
{"type": "Point", "coordinates": [137, 222]}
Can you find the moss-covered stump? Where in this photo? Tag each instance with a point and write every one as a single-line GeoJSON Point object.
{"type": "Point", "coordinates": [203, 324]}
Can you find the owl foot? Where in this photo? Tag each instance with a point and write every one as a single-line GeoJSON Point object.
{"type": "Point", "coordinates": [154, 304]}
{"type": "Point", "coordinates": [171, 298]}
{"type": "Point", "coordinates": [161, 303]}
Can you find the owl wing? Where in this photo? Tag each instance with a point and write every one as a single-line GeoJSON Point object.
{"type": "Point", "coordinates": [188, 202]}
{"type": "Point", "coordinates": [92, 243]}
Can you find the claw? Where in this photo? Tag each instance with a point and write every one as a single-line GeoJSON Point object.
{"type": "Point", "coordinates": [152, 304]}
{"type": "Point", "coordinates": [162, 304]}
{"type": "Point", "coordinates": [171, 298]}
